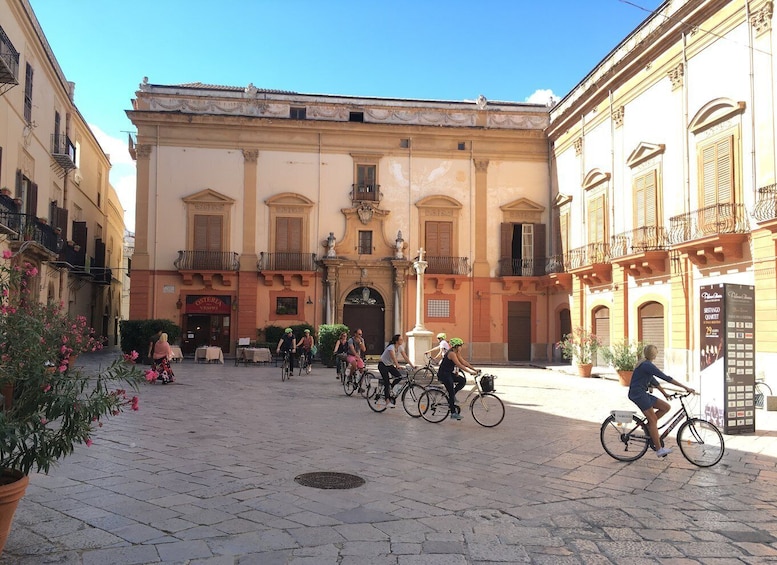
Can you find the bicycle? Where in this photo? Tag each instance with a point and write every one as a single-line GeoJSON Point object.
{"type": "Point", "coordinates": [362, 383]}
{"type": "Point", "coordinates": [341, 364]}
{"type": "Point", "coordinates": [305, 362]}
{"type": "Point", "coordinates": [487, 409]}
{"type": "Point", "coordinates": [404, 388]}
{"type": "Point", "coordinates": [626, 437]}
{"type": "Point", "coordinates": [286, 366]}
{"type": "Point", "coordinates": [425, 375]}
{"type": "Point", "coordinates": [762, 390]}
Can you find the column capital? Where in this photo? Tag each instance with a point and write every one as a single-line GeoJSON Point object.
{"type": "Point", "coordinates": [143, 150]}
{"type": "Point", "coordinates": [250, 155]}
{"type": "Point", "coordinates": [481, 165]}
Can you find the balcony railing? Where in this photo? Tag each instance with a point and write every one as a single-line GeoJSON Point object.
{"type": "Point", "coordinates": [587, 255]}
{"type": "Point", "coordinates": [365, 193]}
{"type": "Point", "coordinates": [533, 267]}
{"type": "Point", "coordinates": [24, 227]}
{"type": "Point", "coordinates": [287, 262]}
{"type": "Point", "coordinates": [63, 151]}
{"type": "Point", "coordinates": [640, 240]}
{"type": "Point", "coordinates": [766, 204]}
{"type": "Point", "coordinates": [447, 265]}
{"type": "Point", "coordinates": [9, 61]}
{"type": "Point", "coordinates": [712, 220]}
{"type": "Point", "coordinates": [207, 261]}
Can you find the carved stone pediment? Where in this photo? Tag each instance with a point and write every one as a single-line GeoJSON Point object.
{"type": "Point", "coordinates": [643, 152]}
{"type": "Point", "coordinates": [715, 112]}
{"type": "Point", "coordinates": [522, 210]}
{"type": "Point", "coordinates": [594, 178]}
{"type": "Point", "coordinates": [561, 200]}
{"type": "Point", "coordinates": [208, 196]}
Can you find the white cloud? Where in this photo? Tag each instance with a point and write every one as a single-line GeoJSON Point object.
{"type": "Point", "coordinates": [115, 147]}
{"type": "Point", "coordinates": [542, 96]}
{"type": "Point", "coordinates": [125, 188]}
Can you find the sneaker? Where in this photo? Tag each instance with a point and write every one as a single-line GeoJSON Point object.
{"type": "Point", "coordinates": [455, 416]}
{"type": "Point", "coordinates": [308, 369]}
{"type": "Point", "coordinates": [393, 403]}
{"type": "Point", "coordinates": [663, 452]}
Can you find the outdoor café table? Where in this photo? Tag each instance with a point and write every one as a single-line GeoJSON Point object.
{"type": "Point", "coordinates": [257, 355]}
{"type": "Point", "coordinates": [209, 354]}
{"type": "Point", "coordinates": [177, 353]}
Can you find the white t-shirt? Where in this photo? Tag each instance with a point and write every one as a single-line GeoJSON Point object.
{"type": "Point", "coordinates": [386, 355]}
{"type": "Point", "coordinates": [444, 347]}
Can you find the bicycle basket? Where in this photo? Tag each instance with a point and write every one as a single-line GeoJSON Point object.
{"type": "Point", "coordinates": [487, 383]}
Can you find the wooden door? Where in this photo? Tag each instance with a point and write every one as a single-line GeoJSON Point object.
{"type": "Point", "coordinates": [519, 331]}
{"type": "Point", "coordinates": [370, 318]}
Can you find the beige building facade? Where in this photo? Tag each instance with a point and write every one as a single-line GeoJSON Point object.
{"type": "Point", "coordinates": [663, 179]}
{"type": "Point", "coordinates": [58, 210]}
{"type": "Point", "coordinates": [260, 208]}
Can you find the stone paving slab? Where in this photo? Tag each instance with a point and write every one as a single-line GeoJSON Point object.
{"type": "Point", "coordinates": [204, 474]}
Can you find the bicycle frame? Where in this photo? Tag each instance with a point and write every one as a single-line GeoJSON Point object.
{"type": "Point", "coordinates": [670, 424]}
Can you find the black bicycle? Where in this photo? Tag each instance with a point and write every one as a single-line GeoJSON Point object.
{"type": "Point", "coordinates": [286, 366]}
{"type": "Point", "coordinates": [626, 437]}
{"type": "Point", "coordinates": [404, 388]}
{"type": "Point", "coordinates": [762, 390]}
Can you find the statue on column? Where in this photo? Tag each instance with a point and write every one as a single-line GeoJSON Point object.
{"type": "Point", "coordinates": [330, 243]}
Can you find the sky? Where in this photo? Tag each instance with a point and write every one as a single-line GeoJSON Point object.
{"type": "Point", "coordinates": [508, 50]}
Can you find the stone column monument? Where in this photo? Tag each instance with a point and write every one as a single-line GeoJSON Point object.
{"type": "Point", "coordinates": [419, 339]}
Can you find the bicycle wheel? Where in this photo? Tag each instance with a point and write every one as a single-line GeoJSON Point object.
{"type": "Point", "coordinates": [762, 390]}
{"type": "Point", "coordinates": [624, 442]}
{"type": "Point", "coordinates": [410, 397]}
{"type": "Point", "coordinates": [349, 384]}
{"type": "Point", "coordinates": [368, 383]}
{"type": "Point", "coordinates": [487, 409]}
{"type": "Point", "coordinates": [285, 370]}
{"type": "Point", "coordinates": [700, 442]}
{"type": "Point", "coordinates": [302, 364]}
{"type": "Point", "coordinates": [433, 405]}
{"type": "Point", "coordinates": [423, 376]}
{"type": "Point", "coordinates": [376, 399]}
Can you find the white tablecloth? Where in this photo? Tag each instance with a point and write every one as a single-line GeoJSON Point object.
{"type": "Point", "coordinates": [209, 354]}
{"type": "Point", "coordinates": [257, 354]}
{"type": "Point", "coordinates": [177, 353]}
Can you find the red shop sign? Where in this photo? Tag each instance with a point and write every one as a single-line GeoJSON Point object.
{"type": "Point", "coordinates": [207, 304]}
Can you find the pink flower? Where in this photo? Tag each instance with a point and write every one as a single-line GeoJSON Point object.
{"type": "Point", "coordinates": [88, 442]}
{"type": "Point", "coordinates": [63, 368]}
{"type": "Point", "coordinates": [46, 388]}
{"type": "Point", "coordinates": [44, 421]}
{"type": "Point", "coordinates": [7, 254]}
{"type": "Point", "coordinates": [135, 403]}
{"type": "Point", "coordinates": [151, 375]}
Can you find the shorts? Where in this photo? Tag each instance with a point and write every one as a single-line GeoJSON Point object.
{"type": "Point", "coordinates": [358, 360]}
{"type": "Point", "coordinates": [643, 400]}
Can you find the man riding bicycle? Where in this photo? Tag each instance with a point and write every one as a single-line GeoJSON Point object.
{"type": "Point", "coordinates": [287, 344]}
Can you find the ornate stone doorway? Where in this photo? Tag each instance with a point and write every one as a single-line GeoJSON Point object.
{"type": "Point", "coordinates": [364, 308]}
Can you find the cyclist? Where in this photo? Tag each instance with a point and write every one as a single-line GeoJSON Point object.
{"type": "Point", "coordinates": [441, 347]}
{"type": "Point", "coordinates": [356, 348]}
{"type": "Point", "coordinates": [454, 382]}
{"type": "Point", "coordinates": [306, 342]}
{"type": "Point", "coordinates": [389, 364]}
{"type": "Point", "coordinates": [288, 344]}
{"type": "Point", "coordinates": [653, 408]}
{"type": "Point", "coordinates": [340, 351]}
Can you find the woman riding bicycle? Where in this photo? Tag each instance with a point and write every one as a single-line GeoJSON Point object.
{"type": "Point", "coordinates": [306, 343]}
{"type": "Point", "coordinates": [653, 408]}
{"type": "Point", "coordinates": [441, 347]}
{"type": "Point", "coordinates": [452, 381]}
{"type": "Point", "coordinates": [340, 352]}
{"type": "Point", "coordinates": [389, 364]}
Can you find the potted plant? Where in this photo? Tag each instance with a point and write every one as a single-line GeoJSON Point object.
{"type": "Point", "coordinates": [5, 191]}
{"type": "Point", "coordinates": [48, 407]}
{"type": "Point", "coordinates": [580, 346]}
{"type": "Point", "coordinates": [624, 356]}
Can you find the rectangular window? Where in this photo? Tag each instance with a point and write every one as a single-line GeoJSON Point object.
{"type": "Point", "coordinates": [297, 113]}
{"type": "Point", "coordinates": [365, 243]}
{"type": "Point", "coordinates": [365, 181]}
{"type": "Point", "coordinates": [439, 239]}
{"type": "Point", "coordinates": [57, 141]}
{"type": "Point", "coordinates": [28, 93]}
{"type": "Point", "coordinates": [597, 231]}
{"type": "Point", "coordinates": [288, 235]}
{"type": "Point", "coordinates": [438, 308]}
{"type": "Point", "coordinates": [207, 233]}
{"type": "Point", "coordinates": [717, 172]}
{"type": "Point", "coordinates": [356, 117]}
{"type": "Point", "coordinates": [286, 306]}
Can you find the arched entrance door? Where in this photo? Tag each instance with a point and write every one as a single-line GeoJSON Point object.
{"type": "Point", "coordinates": [602, 331]}
{"type": "Point", "coordinates": [364, 308]}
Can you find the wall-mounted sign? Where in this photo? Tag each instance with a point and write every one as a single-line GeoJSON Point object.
{"type": "Point", "coordinates": [196, 304]}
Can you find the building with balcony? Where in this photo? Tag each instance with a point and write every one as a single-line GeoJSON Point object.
{"type": "Point", "coordinates": [259, 207]}
{"type": "Point", "coordinates": [663, 162]}
{"type": "Point", "coordinates": [57, 208]}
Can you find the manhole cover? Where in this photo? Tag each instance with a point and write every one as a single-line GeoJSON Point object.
{"type": "Point", "coordinates": [329, 480]}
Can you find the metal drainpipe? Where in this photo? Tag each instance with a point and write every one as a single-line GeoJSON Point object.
{"type": "Point", "coordinates": [752, 101]}
{"type": "Point", "coordinates": [681, 265]}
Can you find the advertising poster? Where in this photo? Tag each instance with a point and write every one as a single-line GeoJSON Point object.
{"type": "Point", "coordinates": [727, 350]}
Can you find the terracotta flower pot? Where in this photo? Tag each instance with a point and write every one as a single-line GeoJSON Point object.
{"type": "Point", "coordinates": [624, 377]}
{"type": "Point", "coordinates": [13, 485]}
{"type": "Point", "coordinates": [584, 369]}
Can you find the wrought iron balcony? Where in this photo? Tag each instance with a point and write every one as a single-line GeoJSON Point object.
{"type": "Point", "coordinates": [588, 255]}
{"type": "Point", "coordinates": [287, 262]}
{"type": "Point", "coordinates": [533, 267]}
{"type": "Point", "coordinates": [207, 261]}
{"type": "Point", "coordinates": [447, 265]}
{"type": "Point", "coordinates": [63, 151]}
{"type": "Point", "coordinates": [24, 227]}
{"type": "Point", "coordinates": [9, 61]}
{"type": "Point", "coordinates": [640, 240]}
{"type": "Point", "coordinates": [766, 204]}
{"type": "Point", "coordinates": [101, 275]}
{"type": "Point", "coordinates": [365, 193]}
{"type": "Point", "coordinates": [726, 218]}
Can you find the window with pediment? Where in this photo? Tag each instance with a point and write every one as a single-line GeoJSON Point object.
{"type": "Point", "coordinates": [365, 174]}
{"type": "Point", "coordinates": [595, 184]}
{"type": "Point", "coordinates": [522, 239]}
{"type": "Point", "coordinates": [289, 231]}
{"type": "Point", "coordinates": [439, 230]}
{"type": "Point", "coordinates": [209, 216]}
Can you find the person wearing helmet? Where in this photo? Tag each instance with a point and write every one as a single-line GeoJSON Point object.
{"type": "Point", "coordinates": [454, 382]}
{"type": "Point", "coordinates": [306, 343]}
{"type": "Point", "coordinates": [288, 344]}
{"type": "Point", "coordinates": [440, 349]}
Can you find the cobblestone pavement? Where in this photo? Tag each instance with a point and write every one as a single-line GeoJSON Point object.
{"type": "Point", "coordinates": [204, 474]}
